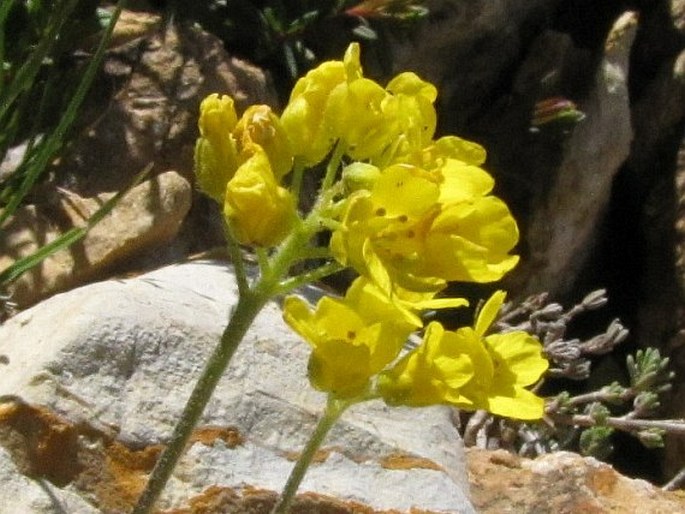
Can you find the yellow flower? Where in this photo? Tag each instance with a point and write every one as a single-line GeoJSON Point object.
{"type": "Point", "coordinates": [413, 100]}
{"type": "Point", "coordinates": [518, 363]}
{"type": "Point", "coordinates": [335, 102]}
{"type": "Point", "coordinates": [260, 126]}
{"type": "Point", "coordinates": [216, 151]}
{"type": "Point", "coordinates": [435, 372]}
{"type": "Point", "coordinates": [259, 211]}
{"type": "Point", "coordinates": [418, 229]}
{"type": "Point", "coordinates": [352, 339]}
{"type": "Point", "coordinates": [303, 117]}
{"type": "Point", "coordinates": [470, 370]}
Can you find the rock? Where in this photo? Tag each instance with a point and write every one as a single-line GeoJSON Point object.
{"type": "Point", "coordinates": [466, 48]}
{"type": "Point", "coordinates": [145, 219]}
{"type": "Point", "coordinates": [152, 86]}
{"type": "Point", "coordinates": [564, 225]}
{"type": "Point", "coordinates": [646, 237]}
{"type": "Point", "coordinates": [502, 482]}
{"type": "Point", "coordinates": [21, 494]}
{"type": "Point", "coordinates": [112, 363]}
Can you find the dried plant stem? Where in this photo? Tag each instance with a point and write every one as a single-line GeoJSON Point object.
{"type": "Point", "coordinates": [672, 426]}
{"type": "Point", "coordinates": [599, 396]}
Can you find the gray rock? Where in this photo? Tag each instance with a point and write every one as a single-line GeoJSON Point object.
{"type": "Point", "coordinates": [123, 355]}
{"type": "Point", "coordinates": [144, 220]}
{"type": "Point", "coordinates": [21, 495]}
{"type": "Point", "coordinates": [564, 226]}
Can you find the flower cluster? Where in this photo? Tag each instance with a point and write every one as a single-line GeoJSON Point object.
{"type": "Point", "coordinates": [240, 163]}
{"type": "Point", "coordinates": [408, 212]}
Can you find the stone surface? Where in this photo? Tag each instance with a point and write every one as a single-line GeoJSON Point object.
{"type": "Point", "coordinates": [564, 225]}
{"type": "Point", "coordinates": [564, 483]}
{"type": "Point", "coordinates": [144, 220]}
{"type": "Point", "coordinates": [22, 495]}
{"type": "Point", "coordinates": [465, 49]}
{"type": "Point", "coordinates": [154, 79]}
{"type": "Point", "coordinates": [113, 362]}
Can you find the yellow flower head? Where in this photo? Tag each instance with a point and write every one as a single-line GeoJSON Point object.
{"type": "Point", "coordinates": [470, 370]}
{"type": "Point", "coordinates": [303, 117]}
{"type": "Point", "coordinates": [260, 126]}
{"type": "Point", "coordinates": [518, 362]}
{"type": "Point", "coordinates": [216, 151]}
{"type": "Point", "coordinates": [413, 100]}
{"type": "Point", "coordinates": [418, 229]}
{"type": "Point", "coordinates": [352, 339]}
{"type": "Point", "coordinates": [336, 102]}
{"type": "Point", "coordinates": [434, 373]}
{"type": "Point", "coordinates": [259, 211]}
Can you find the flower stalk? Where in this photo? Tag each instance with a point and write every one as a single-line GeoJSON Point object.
{"type": "Point", "coordinates": [334, 409]}
{"type": "Point", "coordinates": [245, 312]}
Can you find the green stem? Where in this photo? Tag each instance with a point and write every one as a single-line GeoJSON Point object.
{"type": "Point", "coordinates": [311, 276]}
{"type": "Point", "coordinates": [250, 302]}
{"type": "Point", "coordinates": [244, 314]}
{"type": "Point", "coordinates": [334, 409]}
{"type": "Point", "coordinates": [236, 260]}
{"type": "Point", "coordinates": [333, 165]}
{"type": "Point", "coordinates": [296, 182]}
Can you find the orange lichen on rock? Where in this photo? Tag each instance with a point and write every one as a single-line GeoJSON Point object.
{"type": "Point", "coordinates": [41, 443]}
{"type": "Point", "coordinates": [406, 461]}
{"type": "Point", "coordinates": [500, 482]}
{"type": "Point", "coordinates": [208, 434]}
{"type": "Point", "coordinates": [252, 500]}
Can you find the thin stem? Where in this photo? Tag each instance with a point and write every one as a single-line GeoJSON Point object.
{"type": "Point", "coordinates": [672, 426]}
{"type": "Point", "coordinates": [312, 276]}
{"type": "Point", "coordinates": [236, 259]}
{"type": "Point", "coordinates": [334, 409]}
{"type": "Point", "coordinates": [296, 182]}
{"type": "Point", "coordinates": [333, 165]}
{"type": "Point", "coordinates": [473, 426]}
{"type": "Point", "coordinates": [244, 314]}
{"type": "Point", "coordinates": [600, 396]}
{"type": "Point", "coordinates": [316, 252]}
{"type": "Point", "coordinates": [250, 302]}
{"type": "Point", "coordinates": [263, 259]}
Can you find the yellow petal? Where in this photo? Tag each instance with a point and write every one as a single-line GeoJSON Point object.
{"type": "Point", "coordinates": [522, 405]}
{"type": "Point", "coordinates": [302, 118]}
{"type": "Point", "coordinates": [259, 211]}
{"type": "Point", "coordinates": [454, 147]}
{"type": "Point", "coordinates": [463, 182]}
{"type": "Point", "coordinates": [488, 313]}
{"type": "Point", "coordinates": [216, 153]}
{"type": "Point", "coordinates": [298, 315]}
{"type": "Point", "coordinates": [410, 84]}
{"type": "Point", "coordinates": [520, 353]}
{"type": "Point", "coordinates": [353, 67]}
{"type": "Point", "coordinates": [354, 112]}
{"type": "Point", "coordinates": [405, 190]}
{"type": "Point", "coordinates": [260, 126]}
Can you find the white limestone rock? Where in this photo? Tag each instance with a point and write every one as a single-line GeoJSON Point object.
{"type": "Point", "coordinates": [22, 495]}
{"type": "Point", "coordinates": [124, 355]}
